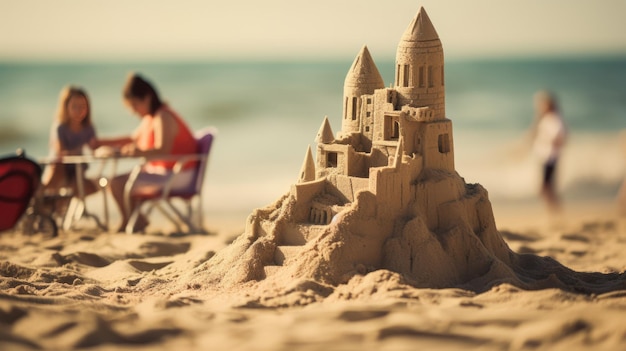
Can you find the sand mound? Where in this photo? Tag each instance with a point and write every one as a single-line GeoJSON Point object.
{"type": "Point", "coordinates": [286, 263]}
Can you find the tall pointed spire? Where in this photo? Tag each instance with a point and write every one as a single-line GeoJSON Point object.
{"type": "Point", "coordinates": [420, 29]}
{"type": "Point", "coordinates": [325, 134]}
{"type": "Point", "coordinates": [307, 172]}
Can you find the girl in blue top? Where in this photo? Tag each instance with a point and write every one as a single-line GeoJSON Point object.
{"type": "Point", "coordinates": [71, 132]}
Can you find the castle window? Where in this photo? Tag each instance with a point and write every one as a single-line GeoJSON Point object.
{"type": "Point", "coordinates": [405, 76]}
{"type": "Point", "coordinates": [369, 101]}
{"type": "Point", "coordinates": [354, 105]}
{"type": "Point", "coordinates": [345, 108]}
{"type": "Point", "coordinates": [442, 77]}
{"type": "Point", "coordinates": [331, 160]}
{"type": "Point", "coordinates": [444, 143]}
{"type": "Point", "coordinates": [421, 77]}
{"type": "Point", "coordinates": [395, 130]}
{"type": "Point", "coordinates": [367, 129]}
{"type": "Point", "coordinates": [368, 113]}
{"type": "Point", "coordinates": [391, 128]}
{"type": "Point", "coordinates": [431, 82]}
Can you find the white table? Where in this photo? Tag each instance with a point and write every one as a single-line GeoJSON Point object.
{"type": "Point", "coordinates": [78, 207]}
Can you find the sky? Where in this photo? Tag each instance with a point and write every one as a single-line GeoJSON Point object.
{"type": "Point", "coordinates": [165, 30]}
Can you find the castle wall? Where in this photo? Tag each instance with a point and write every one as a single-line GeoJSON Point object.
{"type": "Point", "coordinates": [384, 103]}
{"type": "Point", "coordinates": [435, 197]}
{"type": "Point", "coordinates": [333, 159]}
{"type": "Point", "coordinates": [395, 187]}
{"type": "Point", "coordinates": [304, 193]}
{"type": "Point", "coordinates": [438, 145]}
{"type": "Point", "coordinates": [346, 188]}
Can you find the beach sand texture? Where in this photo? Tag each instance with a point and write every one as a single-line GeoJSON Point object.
{"type": "Point", "coordinates": [411, 257]}
{"type": "Point", "coordinates": [107, 291]}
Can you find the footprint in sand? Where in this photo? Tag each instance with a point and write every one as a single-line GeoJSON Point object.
{"type": "Point", "coordinates": [155, 248]}
{"type": "Point", "coordinates": [510, 236]}
{"type": "Point", "coordinates": [147, 266]}
{"type": "Point", "coordinates": [358, 316]}
{"type": "Point", "coordinates": [87, 258]}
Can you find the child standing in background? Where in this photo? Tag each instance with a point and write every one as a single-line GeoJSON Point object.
{"type": "Point", "coordinates": [70, 133]}
{"type": "Point", "coordinates": [549, 136]}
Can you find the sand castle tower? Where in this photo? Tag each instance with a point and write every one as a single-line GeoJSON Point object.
{"type": "Point", "coordinates": [420, 68]}
{"type": "Point", "coordinates": [363, 79]}
{"type": "Point", "coordinates": [381, 194]}
{"type": "Point", "coordinates": [376, 119]}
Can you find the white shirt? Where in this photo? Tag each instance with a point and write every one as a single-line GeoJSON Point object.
{"type": "Point", "coordinates": [550, 137]}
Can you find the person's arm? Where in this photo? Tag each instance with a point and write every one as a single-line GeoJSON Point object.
{"type": "Point", "coordinates": [115, 142]}
{"type": "Point", "coordinates": [165, 130]}
{"type": "Point", "coordinates": [55, 144]}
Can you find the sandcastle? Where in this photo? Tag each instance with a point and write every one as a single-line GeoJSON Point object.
{"type": "Point", "coordinates": [382, 196]}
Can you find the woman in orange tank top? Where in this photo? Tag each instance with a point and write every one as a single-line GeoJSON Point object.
{"type": "Point", "coordinates": [161, 133]}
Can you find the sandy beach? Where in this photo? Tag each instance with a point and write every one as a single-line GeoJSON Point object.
{"type": "Point", "coordinates": [378, 242]}
{"type": "Point", "coordinates": [104, 291]}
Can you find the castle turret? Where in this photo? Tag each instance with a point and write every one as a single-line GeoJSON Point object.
{"type": "Point", "coordinates": [325, 133]}
{"type": "Point", "coordinates": [419, 67]}
{"type": "Point", "coordinates": [307, 172]}
{"type": "Point", "coordinates": [362, 78]}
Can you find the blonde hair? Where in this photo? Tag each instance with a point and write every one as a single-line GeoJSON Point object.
{"type": "Point", "coordinates": [62, 116]}
{"type": "Point", "coordinates": [548, 99]}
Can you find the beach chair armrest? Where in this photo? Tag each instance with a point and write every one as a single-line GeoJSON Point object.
{"type": "Point", "coordinates": [181, 160]}
{"type": "Point", "coordinates": [177, 169]}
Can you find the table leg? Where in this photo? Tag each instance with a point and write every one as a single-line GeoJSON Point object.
{"type": "Point", "coordinates": [77, 203]}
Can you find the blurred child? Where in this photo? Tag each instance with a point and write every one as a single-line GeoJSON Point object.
{"type": "Point", "coordinates": [70, 133]}
{"type": "Point", "coordinates": [549, 136]}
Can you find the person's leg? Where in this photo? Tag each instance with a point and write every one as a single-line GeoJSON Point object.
{"type": "Point", "coordinates": [117, 191]}
{"type": "Point", "coordinates": [548, 190]}
{"type": "Point", "coordinates": [146, 183]}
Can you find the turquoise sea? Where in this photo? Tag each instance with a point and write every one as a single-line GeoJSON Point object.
{"type": "Point", "coordinates": [268, 113]}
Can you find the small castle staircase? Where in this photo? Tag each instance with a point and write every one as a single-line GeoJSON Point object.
{"type": "Point", "coordinates": [291, 245]}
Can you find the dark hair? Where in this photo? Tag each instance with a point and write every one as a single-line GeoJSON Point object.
{"type": "Point", "coordinates": [137, 87]}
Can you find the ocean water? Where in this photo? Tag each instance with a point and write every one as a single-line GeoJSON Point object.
{"type": "Point", "coordinates": [268, 113]}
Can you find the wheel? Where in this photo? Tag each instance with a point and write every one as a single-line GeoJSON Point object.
{"type": "Point", "coordinates": [34, 223]}
{"type": "Point", "coordinates": [46, 225]}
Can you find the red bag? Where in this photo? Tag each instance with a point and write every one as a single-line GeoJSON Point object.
{"type": "Point", "coordinates": [19, 179]}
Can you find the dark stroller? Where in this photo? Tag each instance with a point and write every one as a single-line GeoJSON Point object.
{"type": "Point", "coordinates": [20, 178]}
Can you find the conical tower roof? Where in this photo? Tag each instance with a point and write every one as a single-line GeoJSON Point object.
{"type": "Point", "coordinates": [420, 29]}
{"type": "Point", "coordinates": [364, 74]}
{"type": "Point", "coordinates": [325, 134]}
{"type": "Point", "coordinates": [307, 172]}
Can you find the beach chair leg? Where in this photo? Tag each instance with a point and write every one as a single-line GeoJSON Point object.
{"type": "Point", "coordinates": [169, 216]}
{"type": "Point", "coordinates": [132, 220]}
{"type": "Point", "coordinates": [70, 215]}
{"type": "Point", "coordinates": [200, 216]}
{"type": "Point", "coordinates": [103, 183]}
